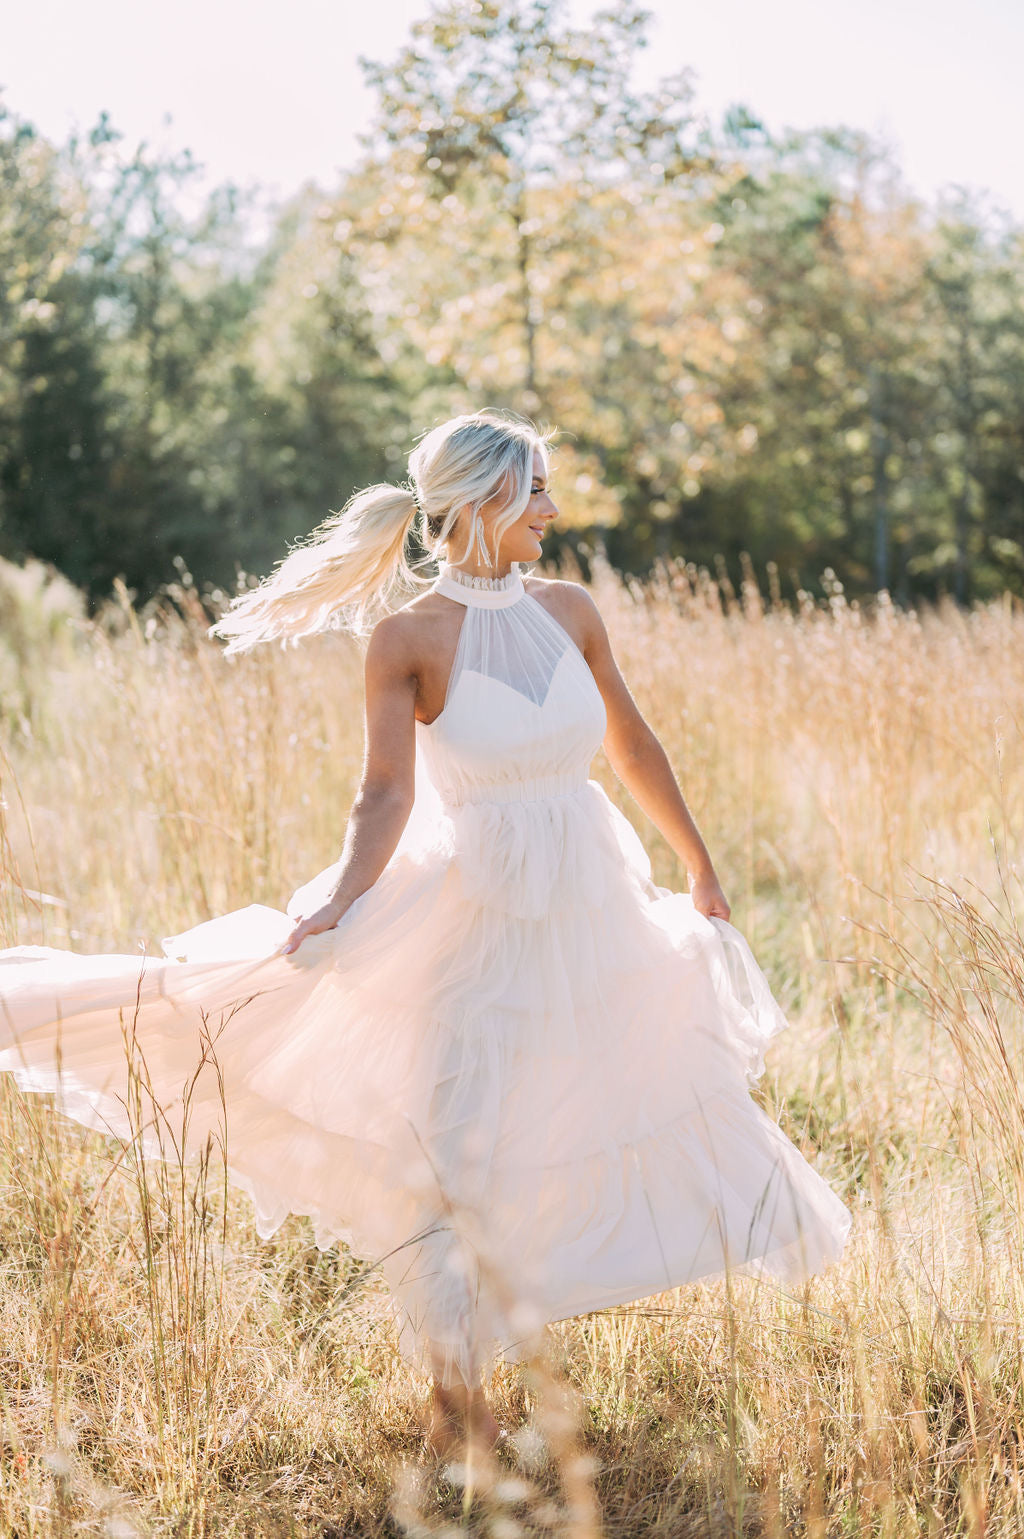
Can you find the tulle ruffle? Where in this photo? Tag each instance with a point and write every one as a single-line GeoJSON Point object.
{"type": "Point", "coordinates": [516, 1074]}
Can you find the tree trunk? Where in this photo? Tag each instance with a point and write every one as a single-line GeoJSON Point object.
{"type": "Point", "coordinates": [880, 477]}
{"type": "Point", "coordinates": [526, 302]}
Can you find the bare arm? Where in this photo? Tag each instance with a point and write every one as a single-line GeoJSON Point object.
{"type": "Point", "coordinates": [639, 760]}
{"type": "Point", "coordinates": [386, 789]}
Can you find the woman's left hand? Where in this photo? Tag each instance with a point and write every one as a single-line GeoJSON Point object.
{"type": "Point", "coordinates": [325, 918]}
{"type": "Point", "coordinates": [708, 897]}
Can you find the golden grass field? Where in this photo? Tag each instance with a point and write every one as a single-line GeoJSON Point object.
{"type": "Point", "coordinates": [858, 775]}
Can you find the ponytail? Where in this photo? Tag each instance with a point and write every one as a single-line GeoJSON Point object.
{"type": "Point", "coordinates": [353, 562]}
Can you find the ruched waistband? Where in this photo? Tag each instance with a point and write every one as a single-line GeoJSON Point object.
{"type": "Point", "coordinates": [538, 788]}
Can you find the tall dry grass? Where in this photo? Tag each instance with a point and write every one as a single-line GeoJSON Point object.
{"type": "Point", "coordinates": [858, 775]}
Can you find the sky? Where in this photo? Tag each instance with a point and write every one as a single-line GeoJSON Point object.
{"type": "Point", "coordinates": [272, 93]}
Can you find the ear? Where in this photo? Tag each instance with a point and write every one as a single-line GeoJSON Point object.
{"type": "Point", "coordinates": [460, 533]}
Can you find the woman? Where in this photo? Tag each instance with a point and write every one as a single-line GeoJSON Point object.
{"type": "Point", "coordinates": [483, 1046]}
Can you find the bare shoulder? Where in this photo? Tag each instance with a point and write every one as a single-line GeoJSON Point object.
{"type": "Point", "coordinates": [568, 600]}
{"type": "Point", "coordinates": [401, 641]}
{"type": "Point", "coordinates": [393, 644]}
{"type": "Point", "coordinates": [563, 590]}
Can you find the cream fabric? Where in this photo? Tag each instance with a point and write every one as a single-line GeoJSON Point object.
{"type": "Point", "coordinates": [517, 1073]}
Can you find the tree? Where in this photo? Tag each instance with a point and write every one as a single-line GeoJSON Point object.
{"type": "Point", "coordinates": [494, 105]}
{"type": "Point", "coordinates": [148, 419]}
{"type": "Point", "coordinates": [976, 292]}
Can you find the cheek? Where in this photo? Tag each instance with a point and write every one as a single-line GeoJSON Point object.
{"type": "Point", "coordinates": [519, 525]}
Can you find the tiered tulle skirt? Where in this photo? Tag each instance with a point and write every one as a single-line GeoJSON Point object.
{"type": "Point", "coordinates": [517, 1074]}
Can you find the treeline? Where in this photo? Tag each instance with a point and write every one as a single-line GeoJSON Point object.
{"type": "Point", "coordinates": [749, 344]}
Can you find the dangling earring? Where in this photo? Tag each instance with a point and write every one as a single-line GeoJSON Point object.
{"type": "Point", "coordinates": [480, 542]}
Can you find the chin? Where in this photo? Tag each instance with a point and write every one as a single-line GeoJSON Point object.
{"type": "Point", "coordinates": [527, 550]}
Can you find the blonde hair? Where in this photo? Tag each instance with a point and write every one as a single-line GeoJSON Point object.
{"type": "Point", "coordinates": [350, 569]}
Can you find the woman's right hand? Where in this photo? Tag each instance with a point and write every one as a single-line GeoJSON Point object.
{"type": "Point", "coordinates": [325, 918]}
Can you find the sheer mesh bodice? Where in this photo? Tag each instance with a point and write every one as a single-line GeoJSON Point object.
{"type": "Point", "coordinates": [522, 717]}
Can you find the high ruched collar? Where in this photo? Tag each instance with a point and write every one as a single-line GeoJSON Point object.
{"type": "Point", "coordinates": [480, 592]}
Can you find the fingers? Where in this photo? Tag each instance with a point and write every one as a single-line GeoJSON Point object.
{"type": "Point", "coordinates": [306, 927]}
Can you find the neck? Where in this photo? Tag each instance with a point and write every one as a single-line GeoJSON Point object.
{"type": "Point", "coordinates": [477, 568]}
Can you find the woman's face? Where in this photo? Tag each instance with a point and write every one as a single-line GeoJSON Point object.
{"type": "Point", "coordinates": [521, 541]}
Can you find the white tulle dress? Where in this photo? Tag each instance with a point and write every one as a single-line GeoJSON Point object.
{"type": "Point", "coordinates": [516, 1074]}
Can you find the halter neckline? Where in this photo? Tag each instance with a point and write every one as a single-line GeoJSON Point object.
{"type": "Point", "coordinates": [480, 592]}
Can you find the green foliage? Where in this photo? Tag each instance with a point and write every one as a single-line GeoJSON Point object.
{"type": "Point", "coordinates": [144, 419]}
{"type": "Point", "coordinates": [753, 347]}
